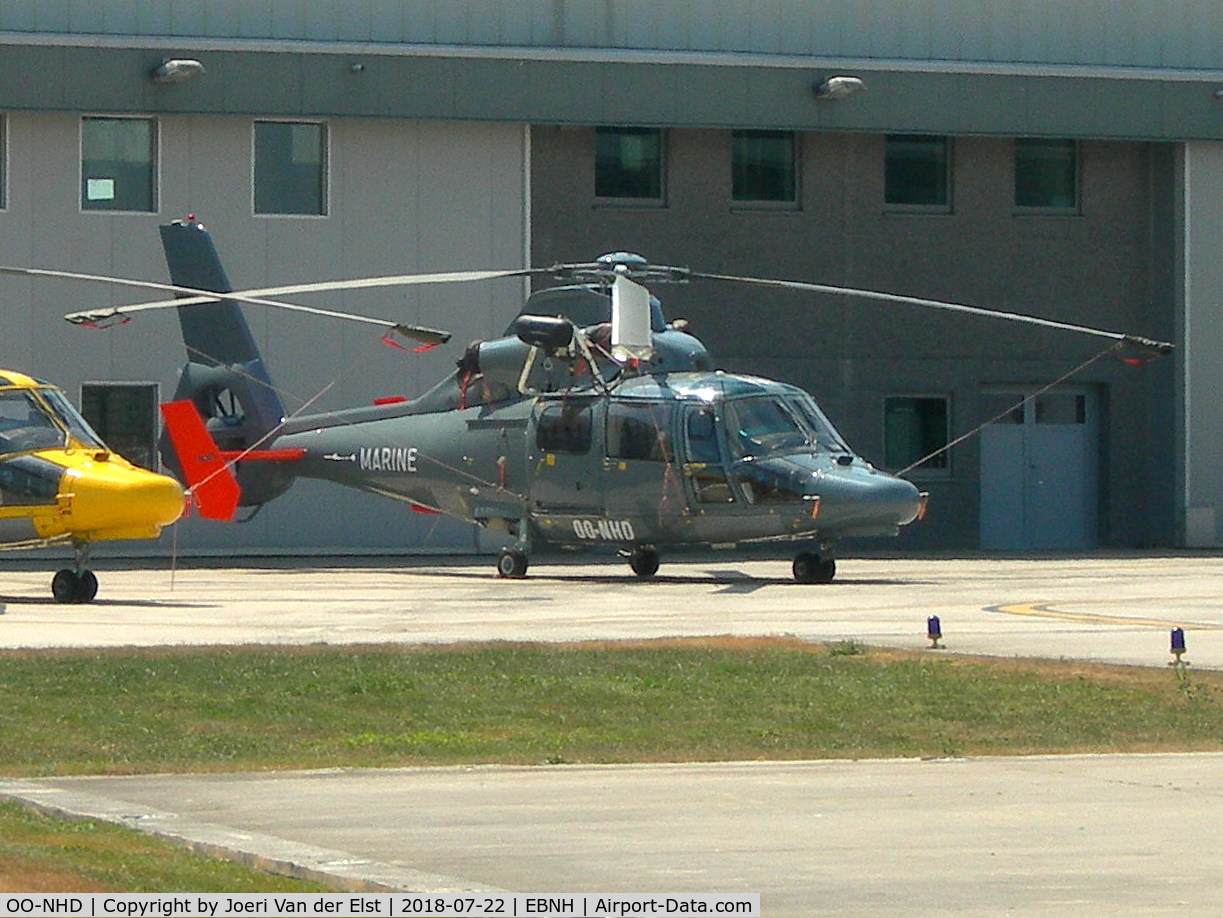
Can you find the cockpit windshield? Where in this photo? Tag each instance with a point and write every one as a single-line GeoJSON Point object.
{"type": "Point", "coordinates": [77, 426]}
{"type": "Point", "coordinates": [826, 436]}
{"type": "Point", "coordinates": [25, 424]}
{"type": "Point", "coordinates": [29, 423]}
{"type": "Point", "coordinates": [761, 425]}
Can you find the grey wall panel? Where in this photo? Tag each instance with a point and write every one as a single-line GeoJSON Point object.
{"type": "Point", "coordinates": [1201, 370]}
{"type": "Point", "coordinates": [1096, 267]}
{"type": "Point", "coordinates": [403, 197]}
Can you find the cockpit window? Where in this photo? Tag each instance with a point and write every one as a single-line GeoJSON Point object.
{"type": "Point", "coordinates": [763, 425]}
{"type": "Point", "coordinates": [26, 425]}
{"type": "Point", "coordinates": [71, 418]}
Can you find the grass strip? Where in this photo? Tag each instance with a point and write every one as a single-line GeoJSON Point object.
{"type": "Point", "coordinates": [253, 708]}
{"type": "Point", "coordinates": [40, 853]}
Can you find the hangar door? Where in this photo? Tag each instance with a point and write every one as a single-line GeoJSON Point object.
{"type": "Point", "coordinates": [1040, 471]}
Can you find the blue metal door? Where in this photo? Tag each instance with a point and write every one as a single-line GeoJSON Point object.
{"type": "Point", "coordinates": [1040, 473]}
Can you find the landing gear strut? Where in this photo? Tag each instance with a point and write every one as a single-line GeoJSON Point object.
{"type": "Point", "coordinates": [811, 567]}
{"type": "Point", "coordinates": [76, 584]}
{"type": "Point", "coordinates": [514, 559]}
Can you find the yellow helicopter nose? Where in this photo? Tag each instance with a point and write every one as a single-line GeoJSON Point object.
{"type": "Point", "coordinates": [111, 499]}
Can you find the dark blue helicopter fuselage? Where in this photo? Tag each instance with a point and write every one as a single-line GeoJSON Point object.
{"type": "Point", "coordinates": [698, 458]}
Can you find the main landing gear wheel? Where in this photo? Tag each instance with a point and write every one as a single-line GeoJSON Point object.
{"type": "Point", "coordinates": [811, 568]}
{"type": "Point", "coordinates": [512, 563]}
{"type": "Point", "coordinates": [70, 587]}
{"type": "Point", "coordinates": [644, 562]}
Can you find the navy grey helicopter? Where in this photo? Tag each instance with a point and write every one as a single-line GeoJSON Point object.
{"type": "Point", "coordinates": [592, 423]}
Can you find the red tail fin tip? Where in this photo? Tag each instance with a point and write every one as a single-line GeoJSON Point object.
{"type": "Point", "coordinates": [213, 486]}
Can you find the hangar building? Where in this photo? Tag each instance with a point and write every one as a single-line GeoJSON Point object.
{"type": "Point", "coordinates": [1054, 157]}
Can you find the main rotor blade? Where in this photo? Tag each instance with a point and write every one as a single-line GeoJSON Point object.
{"type": "Point", "coordinates": [189, 296]}
{"type": "Point", "coordinates": [1160, 347]}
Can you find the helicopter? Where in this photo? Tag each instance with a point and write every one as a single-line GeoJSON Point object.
{"type": "Point", "coordinates": [60, 483]}
{"type": "Point", "coordinates": [592, 423]}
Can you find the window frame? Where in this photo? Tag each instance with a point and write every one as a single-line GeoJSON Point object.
{"type": "Point", "coordinates": [941, 465]}
{"type": "Point", "coordinates": [627, 200]}
{"type": "Point", "coordinates": [790, 203]}
{"type": "Point", "coordinates": [1072, 209]}
{"type": "Point", "coordinates": [154, 165]}
{"type": "Point", "coordinates": [324, 169]}
{"type": "Point", "coordinates": [4, 160]}
{"type": "Point", "coordinates": [891, 165]}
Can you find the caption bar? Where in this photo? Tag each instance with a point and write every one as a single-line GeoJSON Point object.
{"type": "Point", "coordinates": [382, 905]}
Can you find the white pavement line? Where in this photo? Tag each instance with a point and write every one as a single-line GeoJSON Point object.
{"type": "Point", "coordinates": [337, 869]}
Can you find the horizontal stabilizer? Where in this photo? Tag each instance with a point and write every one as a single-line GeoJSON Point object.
{"type": "Point", "coordinates": [213, 487]}
{"type": "Point", "coordinates": [262, 455]}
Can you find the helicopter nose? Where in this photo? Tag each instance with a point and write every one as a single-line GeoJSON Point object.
{"type": "Point", "coordinates": [112, 499]}
{"type": "Point", "coordinates": [903, 497]}
{"type": "Point", "coordinates": [869, 497]}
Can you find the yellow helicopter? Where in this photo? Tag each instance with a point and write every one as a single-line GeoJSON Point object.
{"type": "Point", "coordinates": [59, 483]}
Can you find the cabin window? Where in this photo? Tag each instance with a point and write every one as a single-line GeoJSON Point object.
{"type": "Point", "coordinates": [290, 168]}
{"type": "Point", "coordinates": [917, 171]}
{"type": "Point", "coordinates": [1046, 174]}
{"type": "Point", "coordinates": [124, 415]}
{"type": "Point", "coordinates": [913, 428]}
{"type": "Point", "coordinates": [639, 431]}
{"type": "Point", "coordinates": [119, 164]}
{"type": "Point", "coordinates": [563, 428]}
{"type": "Point", "coordinates": [629, 164]}
{"type": "Point", "coordinates": [764, 167]}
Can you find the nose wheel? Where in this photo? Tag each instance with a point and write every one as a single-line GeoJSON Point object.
{"type": "Point", "coordinates": [644, 562]}
{"type": "Point", "coordinates": [76, 584]}
{"type": "Point", "coordinates": [810, 567]}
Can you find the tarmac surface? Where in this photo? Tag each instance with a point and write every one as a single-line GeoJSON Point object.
{"type": "Point", "coordinates": [1078, 835]}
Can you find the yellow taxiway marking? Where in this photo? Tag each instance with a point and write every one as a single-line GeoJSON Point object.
{"type": "Point", "coordinates": [1046, 610]}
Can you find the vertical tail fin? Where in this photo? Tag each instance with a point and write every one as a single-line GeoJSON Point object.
{"type": "Point", "coordinates": [224, 377]}
{"type": "Point", "coordinates": [214, 490]}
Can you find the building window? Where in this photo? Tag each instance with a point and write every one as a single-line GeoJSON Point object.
{"type": "Point", "coordinates": [913, 428]}
{"type": "Point", "coordinates": [290, 168]}
{"type": "Point", "coordinates": [764, 167]}
{"type": "Point", "coordinates": [124, 415]}
{"type": "Point", "coordinates": [1046, 174]}
{"type": "Point", "coordinates": [119, 164]}
{"type": "Point", "coordinates": [628, 163]}
{"type": "Point", "coordinates": [917, 170]}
